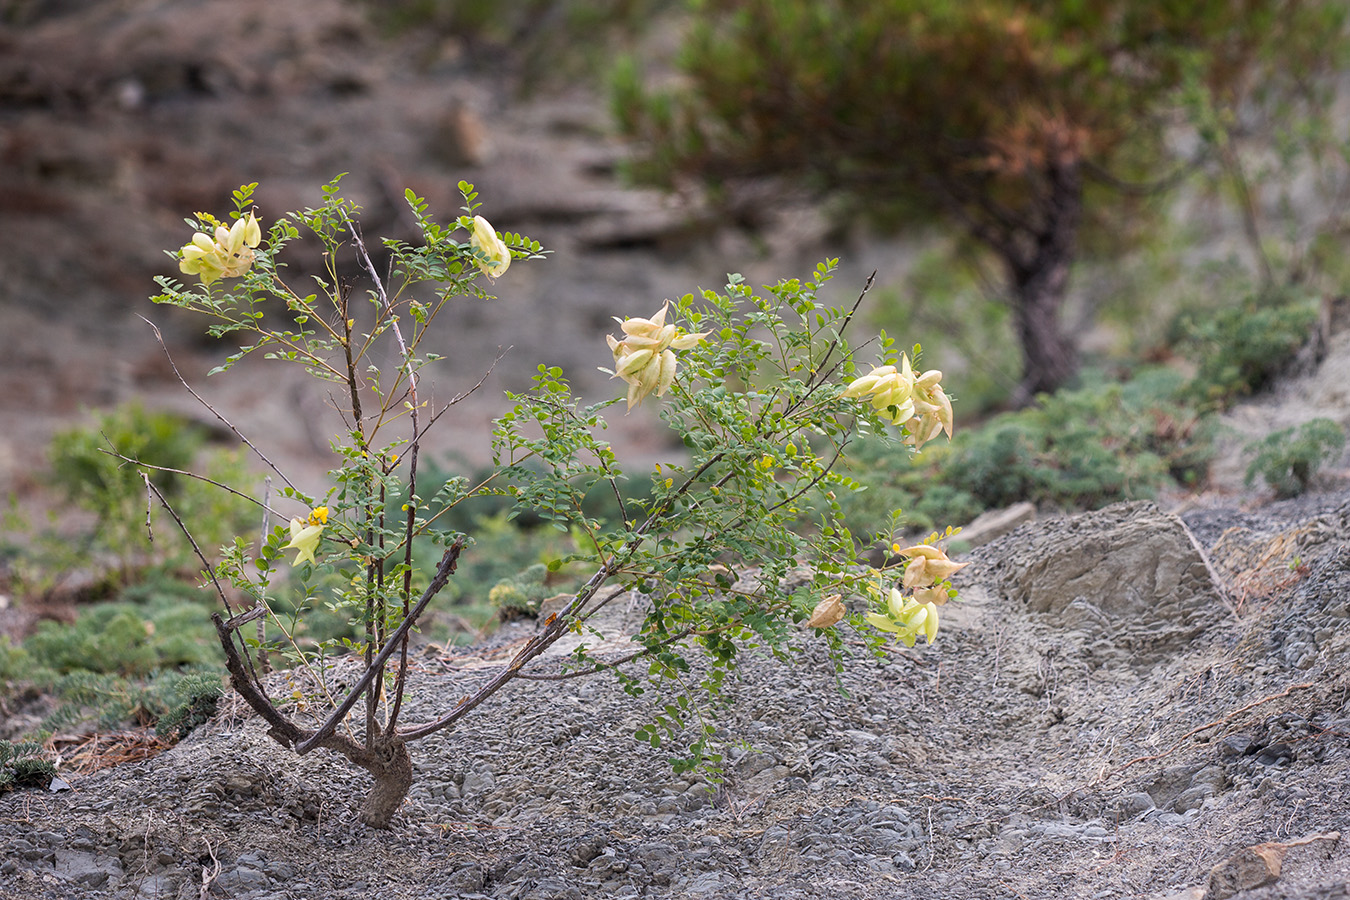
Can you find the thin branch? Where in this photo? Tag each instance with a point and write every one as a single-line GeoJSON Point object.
{"type": "Point", "coordinates": [814, 481]}
{"type": "Point", "coordinates": [601, 666]}
{"type": "Point", "coordinates": [501, 354]}
{"type": "Point", "coordinates": [210, 570]}
{"type": "Point", "coordinates": [262, 538]}
{"type": "Point", "coordinates": [186, 474]}
{"type": "Point", "coordinates": [413, 449]}
{"type": "Point", "coordinates": [200, 399]}
{"type": "Point", "coordinates": [834, 342]}
{"type": "Point", "coordinates": [443, 573]}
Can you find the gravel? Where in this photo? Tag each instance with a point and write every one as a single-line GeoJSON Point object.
{"type": "Point", "coordinates": [1008, 760]}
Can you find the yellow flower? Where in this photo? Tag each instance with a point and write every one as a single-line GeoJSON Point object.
{"type": "Point", "coordinates": [906, 618]}
{"type": "Point", "coordinates": [932, 410]}
{"type": "Point", "coordinates": [890, 390]}
{"type": "Point", "coordinates": [485, 241]}
{"type": "Point", "coordinates": [645, 356]}
{"type": "Point", "coordinates": [226, 255]}
{"type": "Point", "coordinates": [917, 403]}
{"type": "Point", "coordinates": [828, 612]}
{"type": "Point", "coordinates": [928, 566]}
{"type": "Point", "coordinates": [305, 534]}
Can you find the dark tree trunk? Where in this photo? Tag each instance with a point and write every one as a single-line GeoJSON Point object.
{"type": "Point", "coordinates": [1049, 357]}
{"type": "Point", "coordinates": [1040, 281]}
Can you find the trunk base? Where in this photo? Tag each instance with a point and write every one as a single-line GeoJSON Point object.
{"type": "Point", "coordinates": [393, 777]}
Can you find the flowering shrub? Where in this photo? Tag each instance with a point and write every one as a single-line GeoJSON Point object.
{"type": "Point", "coordinates": [739, 543]}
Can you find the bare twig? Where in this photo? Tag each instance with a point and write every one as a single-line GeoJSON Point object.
{"type": "Point", "coordinates": [1199, 728]}
{"type": "Point", "coordinates": [209, 873]}
{"type": "Point", "coordinates": [848, 318]}
{"type": "Point", "coordinates": [202, 400]}
{"type": "Point", "coordinates": [149, 503]}
{"type": "Point", "coordinates": [210, 570]}
{"type": "Point", "coordinates": [262, 620]}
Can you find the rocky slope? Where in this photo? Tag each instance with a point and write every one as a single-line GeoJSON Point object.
{"type": "Point", "coordinates": [1062, 739]}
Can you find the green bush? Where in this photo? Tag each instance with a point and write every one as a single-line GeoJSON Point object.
{"type": "Point", "coordinates": [1240, 349]}
{"type": "Point", "coordinates": [148, 629]}
{"type": "Point", "coordinates": [95, 480]}
{"type": "Point", "coordinates": [899, 481]}
{"type": "Point", "coordinates": [519, 596]}
{"type": "Point", "coordinates": [173, 701]}
{"type": "Point", "coordinates": [22, 765]}
{"type": "Point", "coordinates": [1078, 449]}
{"type": "Point", "coordinates": [1287, 460]}
{"type": "Point", "coordinates": [192, 700]}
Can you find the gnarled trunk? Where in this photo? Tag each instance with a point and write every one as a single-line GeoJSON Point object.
{"type": "Point", "coordinates": [391, 767]}
{"type": "Point", "coordinates": [1049, 357]}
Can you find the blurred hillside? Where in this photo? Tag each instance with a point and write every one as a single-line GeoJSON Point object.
{"type": "Point", "coordinates": [120, 118]}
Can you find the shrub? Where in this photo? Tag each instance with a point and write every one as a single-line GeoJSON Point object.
{"type": "Point", "coordinates": [22, 765]}
{"type": "Point", "coordinates": [765, 393]}
{"type": "Point", "coordinates": [192, 700]}
{"type": "Point", "coordinates": [1239, 350]}
{"type": "Point", "coordinates": [1082, 448]}
{"type": "Point", "coordinates": [129, 639]}
{"type": "Point", "coordinates": [1288, 460]}
{"type": "Point", "coordinates": [519, 597]}
{"type": "Point", "coordinates": [89, 465]}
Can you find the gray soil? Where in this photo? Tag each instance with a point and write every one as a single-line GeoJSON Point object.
{"type": "Point", "coordinates": [1035, 751]}
{"type": "Point", "coordinates": [1126, 736]}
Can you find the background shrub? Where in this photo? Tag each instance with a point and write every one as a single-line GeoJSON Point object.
{"type": "Point", "coordinates": [1288, 460]}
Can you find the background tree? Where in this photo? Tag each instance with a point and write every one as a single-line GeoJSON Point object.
{"type": "Point", "coordinates": [1015, 120]}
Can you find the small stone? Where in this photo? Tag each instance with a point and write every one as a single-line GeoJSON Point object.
{"type": "Point", "coordinates": [465, 880]}
{"type": "Point", "coordinates": [1276, 754]}
{"type": "Point", "coordinates": [1193, 798]}
{"type": "Point", "coordinates": [1131, 805]}
{"type": "Point", "coordinates": [1248, 868]}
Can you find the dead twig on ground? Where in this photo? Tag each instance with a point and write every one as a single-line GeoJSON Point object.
{"type": "Point", "coordinates": [209, 874]}
{"type": "Point", "coordinates": [1199, 728]}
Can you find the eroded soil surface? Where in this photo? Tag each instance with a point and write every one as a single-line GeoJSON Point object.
{"type": "Point", "coordinates": [1019, 757]}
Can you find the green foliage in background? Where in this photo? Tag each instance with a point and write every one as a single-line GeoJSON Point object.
{"type": "Point", "coordinates": [22, 765]}
{"type": "Point", "coordinates": [85, 466]}
{"type": "Point", "coordinates": [519, 596]}
{"type": "Point", "coordinates": [153, 625]}
{"type": "Point", "coordinates": [542, 43]}
{"type": "Point", "coordinates": [1288, 460]}
{"type": "Point", "coordinates": [1078, 449]}
{"type": "Point", "coordinates": [1017, 123]}
{"type": "Point", "coordinates": [1240, 349]}
{"type": "Point", "coordinates": [190, 701]}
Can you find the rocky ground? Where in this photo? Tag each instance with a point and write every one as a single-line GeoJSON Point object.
{"type": "Point", "coordinates": [1104, 716]}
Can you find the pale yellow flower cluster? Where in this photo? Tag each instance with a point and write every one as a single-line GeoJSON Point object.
{"type": "Point", "coordinates": [485, 240]}
{"type": "Point", "coordinates": [926, 576]}
{"type": "Point", "coordinates": [645, 357]}
{"type": "Point", "coordinates": [916, 402]}
{"type": "Point", "coordinates": [305, 534]}
{"type": "Point", "coordinates": [226, 255]}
